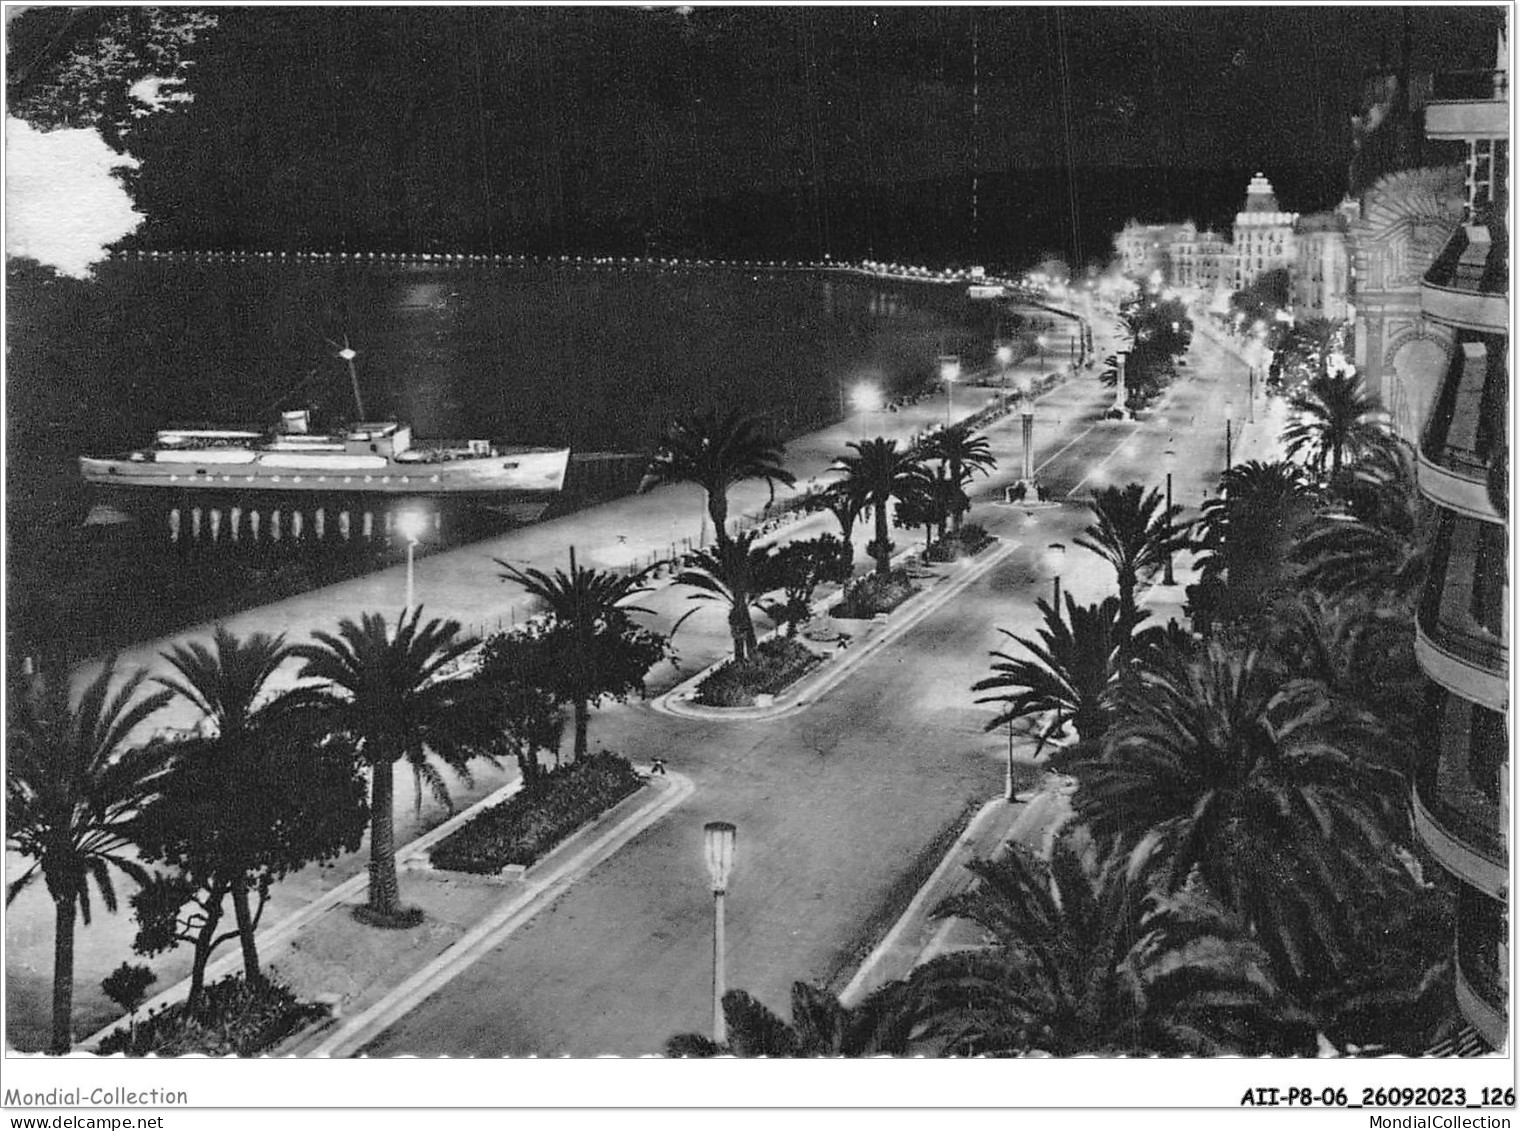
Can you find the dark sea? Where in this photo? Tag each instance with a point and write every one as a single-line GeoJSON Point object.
{"type": "Point", "coordinates": [598, 358]}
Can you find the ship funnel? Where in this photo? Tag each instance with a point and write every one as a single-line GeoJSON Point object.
{"type": "Point", "coordinates": [296, 422]}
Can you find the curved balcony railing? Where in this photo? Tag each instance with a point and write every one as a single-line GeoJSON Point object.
{"type": "Point", "coordinates": [1468, 283]}
{"type": "Point", "coordinates": [1482, 961]}
{"type": "Point", "coordinates": [1462, 780]}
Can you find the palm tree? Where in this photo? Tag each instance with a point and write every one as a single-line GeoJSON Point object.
{"type": "Point", "coordinates": [879, 473]}
{"type": "Point", "coordinates": [963, 454]}
{"type": "Point", "coordinates": [820, 1026]}
{"type": "Point", "coordinates": [589, 604]}
{"type": "Point", "coordinates": [225, 684]}
{"type": "Point", "coordinates": [843, 500]}
{"type": "Point", "coordinates": [1280, 803]}
{"type": "Point", "coordinates": [737, 574]}
{"type": "Point", "coordinates": [717, 452]}
{"type": "Point", "coordinates": [1376, 538]}
{"type": "Point", "coordinates": [391, 695]}
{"type": "Point", "coordinates": [1338, 421]}
{"type": "Point", "coordinates": [1072, 673]}
{"type": "Point", "coordinates": [1244, 540]}
{"type": "Point", "coordinates": [1074, 963]}
{"type": "Point", "coordinates": [73, 789]}
{"type": "Point", "coordinates": [1134, 532]}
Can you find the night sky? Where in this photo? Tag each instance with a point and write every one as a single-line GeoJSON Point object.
{"type": "Point", "coordinates": [670, 129]}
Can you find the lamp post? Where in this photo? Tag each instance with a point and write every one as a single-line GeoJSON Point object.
{"type": "Point", "coordinates": [1005, 358]}
{"type": "Point", "coordinates": [1121, 362]}
{"type": "Point", "coordinates": [1055, 558]}
{"type": "Point", "coordinates": [866, 398]}
{"type": "Point", "coordinates": [1008, 794]}
{"type": "Point", "coordinates": [950, 373]}
{"type": "Point", "coordinates": [410, 524]}
{"type": "Point", "coordinates": [1170, 458]}
{"type": "Point", "coordinates": [718, 845]}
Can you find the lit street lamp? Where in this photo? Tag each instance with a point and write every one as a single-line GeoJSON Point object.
{"type": "Point", "coordinates": [866, 398]}
{"type": "Point", "coordinates": [1229, 438]}
{"type": "Point", "coordinates": [410, 524]}
{"type": "Point", "coordinates": [718, 844]}
{"type": "Point", "coordinates": [1005, 358]}
{"type": "Point", "coordinates": [1055, 559]}
{"type": "Point", "coordinates": [950, 373]}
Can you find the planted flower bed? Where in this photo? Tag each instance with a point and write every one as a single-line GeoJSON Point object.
{"type": "Point", "coordinates": [966, 542]}
{"type": "Point", "coordinates": [236, 1019]}
{"type": "Point", "coordinates": [874, 594]}
{"type": "Point", "coordinates": [778, 664]}
{"type": "Point", "coordinates": [530, 823]}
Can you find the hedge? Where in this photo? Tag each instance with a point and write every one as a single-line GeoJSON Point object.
{"type": "Point", "coordinates": [236, 1019]}
{"type": "Point", "coordinates": [873, 594]}
{"type": "Point", "coordinates": [779, 663]}
{"type": "Point", "coordinates": [531, 822]}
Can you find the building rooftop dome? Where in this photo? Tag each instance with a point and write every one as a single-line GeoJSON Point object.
{"type": "Point", "coordinates": [1259, 195]}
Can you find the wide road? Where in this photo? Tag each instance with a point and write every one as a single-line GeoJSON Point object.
{"type": "Point", "coordinates": [839, 808]}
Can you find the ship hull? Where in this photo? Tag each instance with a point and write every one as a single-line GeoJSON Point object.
{"type": "Point", "coordinates": [511, 476]}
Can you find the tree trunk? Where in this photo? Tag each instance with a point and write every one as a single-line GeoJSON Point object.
{"type": "Point", "coordinates": [717, 509]}
{"type": "Point", "coordinates": [251, 972]}
{"type": "Point", "coordinates": [63, 975]}
{"type": "Point", "coordinates": [582, 721]}
{"type": "Point", "coordinates": [955, 516]}
{"type": "Point", "coordinates": [527, 765]}
{"type": "Point", "coordinates": [883, 555]}
{"type": "Point", "coordinates": [741, 628]}
{"type": "Point", "coordinates": [384, 894]}
{"type": "Point", "coordinates": [1127, 593]}
{"type": "Point", "coordinates": [203, 941]}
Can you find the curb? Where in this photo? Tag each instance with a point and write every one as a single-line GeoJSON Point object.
{"type": "Point", "coordinates": [487, 934]}
{"type": "Point", "coordinates": [815, 685]}
{"type": "Point", "coordinates": [958, 852]}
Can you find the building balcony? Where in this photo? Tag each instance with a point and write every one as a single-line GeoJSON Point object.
{"type": "Point", "coordinates": [1483, 963]}
{"type": "Point", "coordinates": [1468, 284]}
{"type": "Point", "coordinates": [1463, 431]}
{"type": "Point", "coordinates": [1468, 104]}
{"type": "Point", "coordinates": [1461, 794]}
{"type": "Point", "coordinates": [1461, 630]}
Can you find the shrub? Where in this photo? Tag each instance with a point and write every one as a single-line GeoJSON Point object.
{"type": "Point", "coordinates": [970, 540]}
{"type": "Point", "coordinates": [529, 824]}
{"type": "Point", "coordinates": [777, 664]}
{"type": "Point", "coordinates": [237, 1018]}
{"type": "Point", "coordinates": [873, 594]}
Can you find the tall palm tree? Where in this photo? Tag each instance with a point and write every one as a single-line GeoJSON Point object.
{"type": "Point", "coordinates": [226, 683]}
{"type": "Point", "coordinates": [879, 473]}
{"type": "Point", "coordinates": [1337, 421]}
{"type": "Point", "coordinates": [717, 452]}
{"type": "Point", "coordinates": [390, 694]}
{"type": "Point", "coordinates": [590, 605]}
{"type": "Point", "coordinates": [1134, 532]}
{"type": "Point", "coordinates": [1281, 804]}
{"type": "Point", "coordinates": [737, 574]}
{"type": "Point", "coordinates": [963, 454]}
{"type": "Point", "coordinates": [1074, 963]}
{"type": "Point", "coordinates": [1375, 538]}
{"type": "Point", "coordinates": [844, 501]}
{"type": "Point", "coordinates": [1244, 539]}
{"type": "Point", "coordinates": [1072, 673]}
{"type": "Point", "coordinates": [73, 790]}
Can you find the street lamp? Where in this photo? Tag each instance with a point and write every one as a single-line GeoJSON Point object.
{"type": "Point", "coordinates": [1004, 358]}
{"type": "Point", "coordinates": [1229, 424]}
{"type": "Point", "coordinates": [950, 373]}
{"type": "Point", "coordinates": [1055, 558]}
{"type": "Point", "coordinates": [410, 524]}
{"type": "Point", "coordinates": [866, 398]}
{"type": "Point", "coordinates": [718, 845]}
{"type": "Point", "coordinates": [1040, 341]}
{"type": "Point", "coordinates": [1169, 458]}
